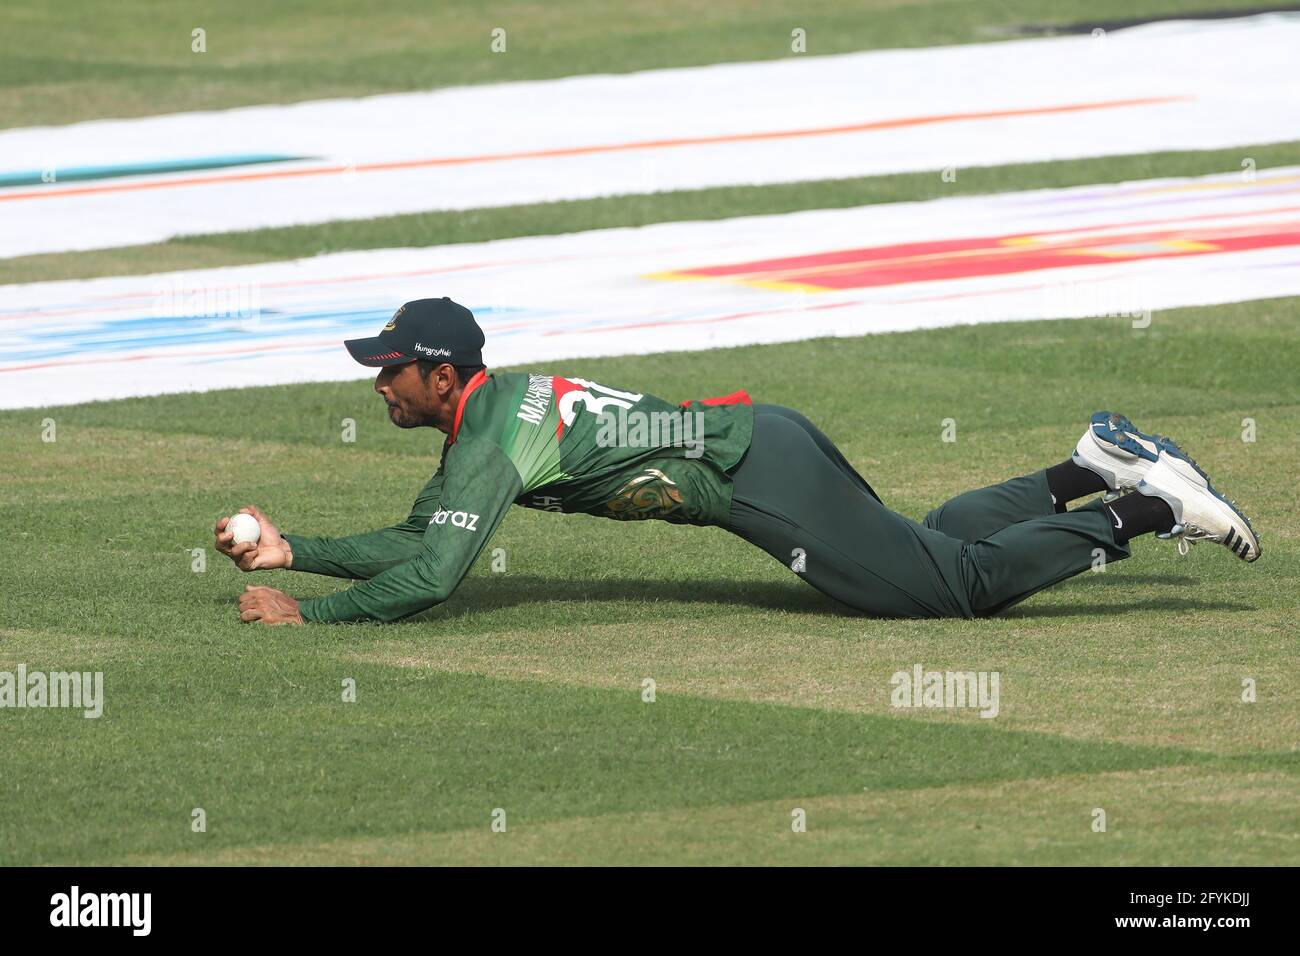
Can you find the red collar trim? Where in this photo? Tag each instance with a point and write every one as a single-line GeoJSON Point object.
{"type": "Point", "coordinates": [478, 379]}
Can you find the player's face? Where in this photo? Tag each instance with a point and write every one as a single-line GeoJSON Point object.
{"type": "Point", "coordinates": [407, 396]}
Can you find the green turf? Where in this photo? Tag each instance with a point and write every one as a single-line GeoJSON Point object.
{"type": "Point", "coordinates": [82, 59]}
{"type": "Point", "coordinates": [477, 225]}
{"type": "Point", "coordinates": [1120, 690]}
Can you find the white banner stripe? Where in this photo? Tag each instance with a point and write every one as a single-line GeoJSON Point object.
{"type": "Point", "coordinates": [1124, 250]}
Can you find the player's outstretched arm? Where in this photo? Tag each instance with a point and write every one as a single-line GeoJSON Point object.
{"type": "Point", "coordinates": [481, 485]}
{"type": "Point", "coordinates": [362, 556]}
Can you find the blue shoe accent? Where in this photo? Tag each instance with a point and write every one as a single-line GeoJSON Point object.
{"type": "Point", "coordinates": [1118, 430]}
{"type": "Point", "coordinates": [1114, 429]}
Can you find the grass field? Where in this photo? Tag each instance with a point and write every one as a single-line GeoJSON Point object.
{"type": "Point", "coordinates": [1120, 690]}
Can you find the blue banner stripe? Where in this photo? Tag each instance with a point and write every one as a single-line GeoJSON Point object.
{"type": "Point", "coordinates": [74, 174]}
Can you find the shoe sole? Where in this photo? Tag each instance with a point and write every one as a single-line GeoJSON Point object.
{"type": "Point", "coordinates": [1112, 434]}
{"type": "Point", "coordinates": [1113, 429]}
{"type": "Point", "coordinates": [1119, 431]}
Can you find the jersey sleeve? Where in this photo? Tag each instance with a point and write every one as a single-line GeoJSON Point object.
{"type": "Point", "coordinates": [362, 556]}
{"type": "Point", "coordinates": [479, 485]}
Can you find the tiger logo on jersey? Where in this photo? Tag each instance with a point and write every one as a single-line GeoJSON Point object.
{"type": "Point", "coordinates": [649, 495]}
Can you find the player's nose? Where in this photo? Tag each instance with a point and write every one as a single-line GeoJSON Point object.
{"type": "Point", "coordinates": [383, 383]}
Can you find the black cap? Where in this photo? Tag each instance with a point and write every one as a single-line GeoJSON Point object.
{"type": "Point", "coordinates": [436, 330]}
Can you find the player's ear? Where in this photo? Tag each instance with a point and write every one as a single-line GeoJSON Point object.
{"type": "Point", "coordinates": [447, 380]}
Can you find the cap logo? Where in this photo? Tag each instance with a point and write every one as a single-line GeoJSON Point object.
{"type": "Point", "coordinates": [428, 350]}
{"type": "Point", "coordinates": [392, 323]}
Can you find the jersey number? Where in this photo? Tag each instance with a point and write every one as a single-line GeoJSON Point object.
{"type": "Point", "coordinates": [593, 403]}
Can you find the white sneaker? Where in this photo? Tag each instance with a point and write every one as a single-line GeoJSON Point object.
{"type": "Point", "coordinates": [1114, 449]}
{"type": "Point", "coordinates": [1200, 512]}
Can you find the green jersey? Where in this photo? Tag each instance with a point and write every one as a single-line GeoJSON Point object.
{"type": "Point", "coordinates": [541, 441]}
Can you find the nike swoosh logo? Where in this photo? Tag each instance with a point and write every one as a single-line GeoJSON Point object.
{"type": "Point", "coordinates": [1119, 522]}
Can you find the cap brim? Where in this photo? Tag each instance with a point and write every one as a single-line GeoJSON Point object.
{"type": "Point", "coordinates": [375, 352]}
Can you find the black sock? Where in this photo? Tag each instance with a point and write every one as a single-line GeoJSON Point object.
{"type": "Point", "coordinates": [1137, 514]}
{"type": "Point", "coordinates": [1068, 481]}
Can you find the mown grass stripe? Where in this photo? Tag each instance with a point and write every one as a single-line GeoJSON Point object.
{"type": "Point", "coordinates": [265, 746]}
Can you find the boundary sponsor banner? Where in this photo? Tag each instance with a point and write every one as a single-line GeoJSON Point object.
{"type": "Point", "coordinates": [1121, 250]}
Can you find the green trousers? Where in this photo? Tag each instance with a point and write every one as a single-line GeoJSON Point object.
{"type": "Point", "coordinates": [796, 497]}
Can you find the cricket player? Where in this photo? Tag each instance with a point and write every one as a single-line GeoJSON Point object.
{"type": "Point", "coordinates": [763, 472]}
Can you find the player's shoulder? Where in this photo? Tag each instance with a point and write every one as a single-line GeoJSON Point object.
{"type": "Point", "coordinates": [491, 402]}
{"type": "Point", "coordinates": [490, 389]}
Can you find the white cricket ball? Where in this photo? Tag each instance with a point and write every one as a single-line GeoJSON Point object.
{"type": "Point", "coordinates": [244, 527]}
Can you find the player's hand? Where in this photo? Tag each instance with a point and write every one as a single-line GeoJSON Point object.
{"type": "Point", "coordinates": [268, 606]}
{"type": "Point", "coordinates": [270, 552]}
